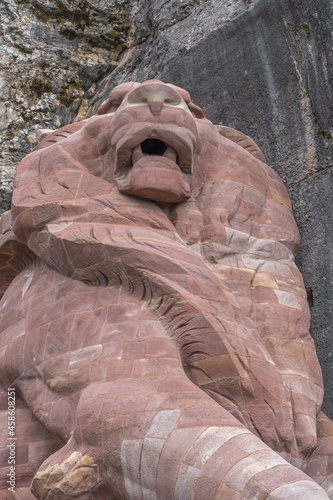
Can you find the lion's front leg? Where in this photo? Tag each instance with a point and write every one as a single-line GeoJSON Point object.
{"type": "Point", "coordinates": [155, 435]}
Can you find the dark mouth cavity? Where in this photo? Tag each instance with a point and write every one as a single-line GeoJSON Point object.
{"type": "Point", "coordinates": [153, 147]}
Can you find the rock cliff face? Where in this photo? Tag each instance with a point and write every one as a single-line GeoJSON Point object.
{"type": "Point", "coordinates": [52, 55]}
{"type": "Point", "coordinates": [264, 68]}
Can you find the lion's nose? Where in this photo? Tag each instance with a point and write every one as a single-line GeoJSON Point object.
{"type": "Point", "coordinates": [156, 95]}
{"type": "Point", "coordinates": [154, 92]}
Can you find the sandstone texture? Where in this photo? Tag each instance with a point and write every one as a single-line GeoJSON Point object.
{"type": "Point", "coordinates": [263, 68]}
{"type": "Point", "coordinates": [153, 319]}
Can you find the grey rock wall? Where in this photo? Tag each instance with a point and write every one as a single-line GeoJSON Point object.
{"type": "Point", "coordinates": [262, 67]}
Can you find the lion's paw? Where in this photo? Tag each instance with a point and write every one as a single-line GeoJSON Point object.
{"type": "Point", "coordinates": [73, 478]}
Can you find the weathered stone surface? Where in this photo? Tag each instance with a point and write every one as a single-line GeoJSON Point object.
{"type": "Point", "coordinates": [159, 331]}
{"type": "Point", "coordinates": [262, 68]}
{"type": "Point", "coordinates": [67, 480]}
{"type": "Point", "coordinates": [315, 220]}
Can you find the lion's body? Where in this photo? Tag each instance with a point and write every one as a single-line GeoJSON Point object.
{"type": "Point", "coordinates": [147, 329]}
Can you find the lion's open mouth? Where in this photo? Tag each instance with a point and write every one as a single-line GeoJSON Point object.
{"type": "Point", "coordinates": [155, 162]}
{"type": "Point", "coordinates": [154, 147]}
{"type": "Point", "coordinates": [164, 144]}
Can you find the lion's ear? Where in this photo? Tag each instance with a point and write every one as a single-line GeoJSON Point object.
{"type": "Point", "coordinates": [242, 140]}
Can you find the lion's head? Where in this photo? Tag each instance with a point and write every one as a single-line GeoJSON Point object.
{"type": "Point", "coordinates": [153, 139]}
{"type": "Point", "coordinates": [150, 137]}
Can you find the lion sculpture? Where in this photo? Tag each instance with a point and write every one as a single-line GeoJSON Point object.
{"type": "Point", "coordinates": [154, 326]}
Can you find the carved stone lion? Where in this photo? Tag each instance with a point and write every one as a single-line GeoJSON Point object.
{"type": "Point", "coordinates": [154, 323]}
